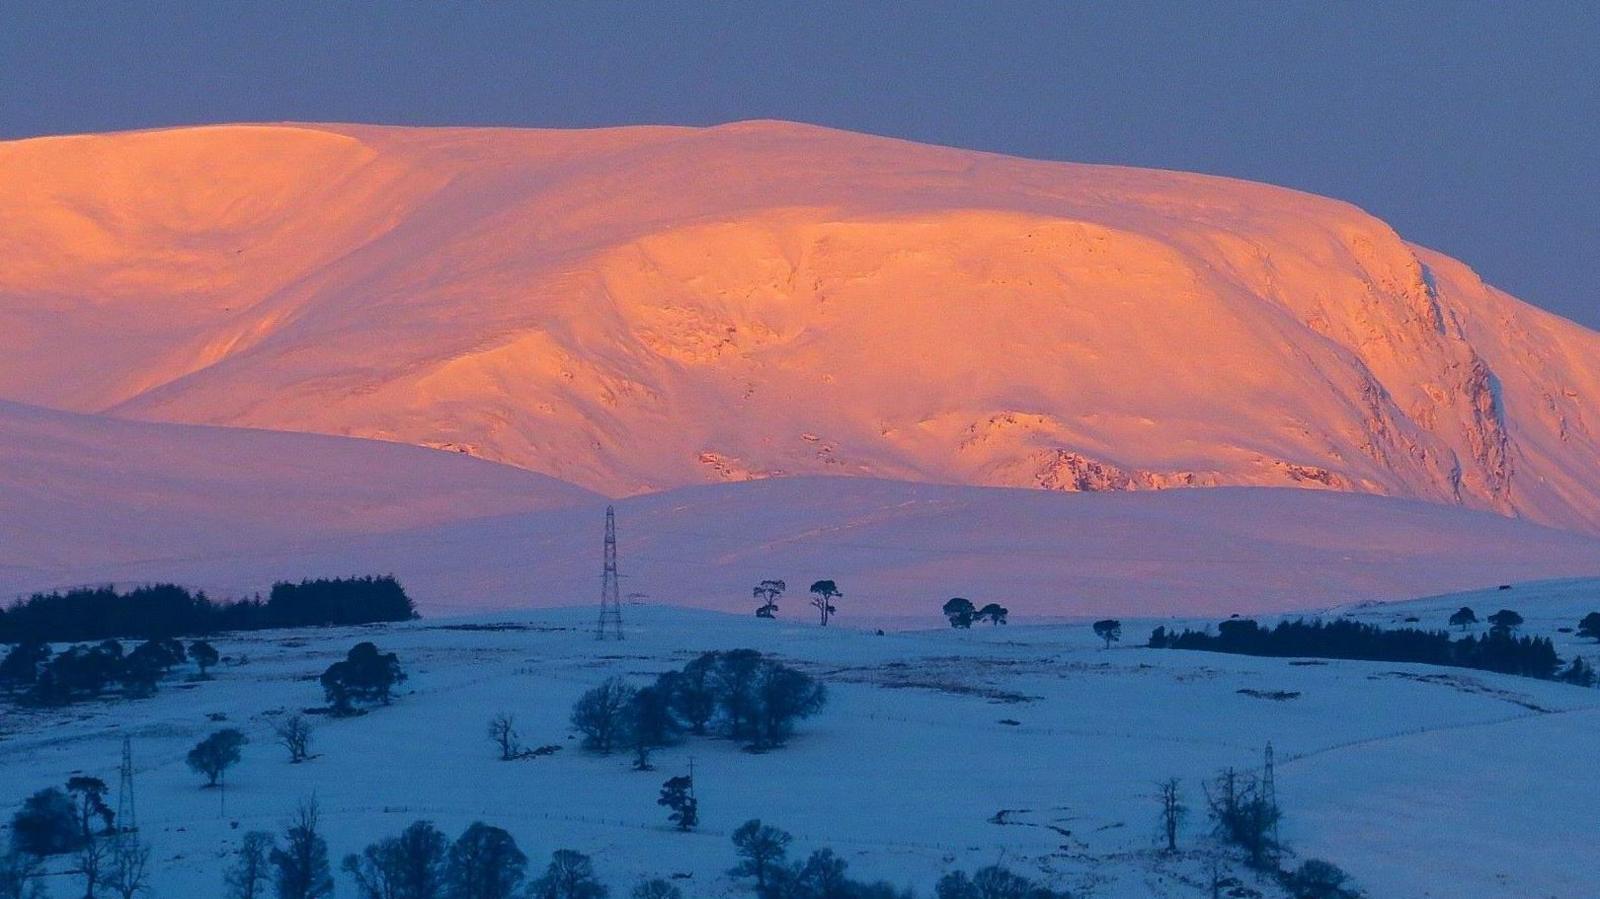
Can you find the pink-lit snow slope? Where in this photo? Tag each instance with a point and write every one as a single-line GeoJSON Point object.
{"type": "Point", "coordinates": [897, 549]}
{"type": "Point", "coordinates": [641, 309]}
{"type": "Point", "coordinates": [81, 495]}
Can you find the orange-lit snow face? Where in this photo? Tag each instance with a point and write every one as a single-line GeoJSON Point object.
{"type": "Point", "coordinates": [634, 309]}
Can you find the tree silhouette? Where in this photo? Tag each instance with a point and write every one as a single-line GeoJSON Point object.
{"type": "Point", "coordinates": [90, 793]}
{"type": "Point", "coordinates": [600, 715]}
{"type": "Point", "coordinates": [1463, 617]}
{"type": "Point", "coordinates": [365, 675]}
{"type": "Point", "coordinates": [994, 613]}
{"type": "Point", "coordinates": [1590, 626]}
{"type": "Point", "coordinates": [762, 850]}
{"type": "Point", "coordinates": [294, 734]}
{"type": "Point", "coordinates": [1109, 630]}
{"type": "Point", "coordinates": [214, 755]}
{"type": "Point", "coordinates": [1505, 620]}
{"type": "Point", "coordinates": [677, 794]}
{"type": "Point", "coordinates": [248, 876]}
{"type": "Point", "coordinates": [484, 863]}
{"type": "Point", "coordinates": [823, 593]}
{"type": "Point", "coordinates": [503, 733]}
{"type": "Point", "coordinates": [570, 875]}
{"type": "Point", "coordinates": [768, 592]}
{"type": "Point", "coordinates": [960, 611]}
{"type": "Point", "coordinates": [300, 867]}
{"type": "Point", "coordinates": [1173, 811]}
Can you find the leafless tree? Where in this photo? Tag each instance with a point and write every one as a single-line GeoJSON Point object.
{"type": "Point", "coordinates": [92, 861]}
{"type": "Point", "coordinates": [130, 868]}
{"type": "Point", "coordinates": [1173, 812]}
{"type": "Point", "coordinates": [503, 733]}
{"type": "Point", "coordinates": [294, 734]}
{"type": "Point", "coordinates": [250, 874]}
{"type": "Point", "coordinates": [598, 714]}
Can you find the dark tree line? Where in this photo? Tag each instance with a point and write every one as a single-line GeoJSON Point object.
{"type": "Point", "coordinates": [166, 610]}
{"type": "Point", "coordinates": [739, 694]}
{"type": "Point", "coordinates": [1500, 650]}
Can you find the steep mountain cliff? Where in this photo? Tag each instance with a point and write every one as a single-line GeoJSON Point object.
{"type": "Point", "coordinates": [645, 308]}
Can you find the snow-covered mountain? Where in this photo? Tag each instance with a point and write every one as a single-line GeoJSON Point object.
{"type": "Point", "coordinates": [639, 309]}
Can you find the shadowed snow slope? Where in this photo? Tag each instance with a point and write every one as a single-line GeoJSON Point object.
{"type": "Point", "coordinates": [89, 493]}
{"type": "Point", "coordinates": [640, 309]}
{"type": "Point", "coordinates": [898, 550]}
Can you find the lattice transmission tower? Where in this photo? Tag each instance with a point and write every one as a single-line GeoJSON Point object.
{"type": "Point", "coordinates": [127, 820]}
{"type": "Point", "coordinates": [1269, 790]}
{"type": "Point", "coordinates": [610, 627]}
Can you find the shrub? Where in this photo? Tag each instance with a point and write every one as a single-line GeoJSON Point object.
{"type": "Point", "coordinates": [1317, 879]}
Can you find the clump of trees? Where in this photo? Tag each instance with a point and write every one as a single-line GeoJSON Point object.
{"type": "Point", "coordinates": [365, 676]}
{"type": "Point", "coordinates": [1589, 626]}
{"type": "Point", "coordinates": [1499, 650]}
{"type": "Point", "coordinates": [87, 672]}
{"type": "Point", "coordinates": [962, 613]}
{"type": "Point", "coordinates": [484, 862]}
{"type": "Point", "coordinates": [765, 868]}
{"type": "Point", "coordinates": [1245, 815]}
{"type": "Point", "coordinates": [992, 882]}
{"type": "Point", "coordinates": [167, 610]}
{"type": "Point", "coordinates": [54, 822]}
{"type": "Point", "coordinates": [738, 693]}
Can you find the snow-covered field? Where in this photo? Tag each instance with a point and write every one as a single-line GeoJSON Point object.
{"type": "Point", "coordinates": [1420, 781]}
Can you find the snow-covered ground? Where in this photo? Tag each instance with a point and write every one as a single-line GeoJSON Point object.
{"type": "Point", "coordinates": [1420, 781]}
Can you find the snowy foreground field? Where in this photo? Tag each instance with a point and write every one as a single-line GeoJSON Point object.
{"type": "Point", "coordinates": [939, 749]}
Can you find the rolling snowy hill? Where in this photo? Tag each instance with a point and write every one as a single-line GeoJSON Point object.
{"type": "Point", "coordinates": [645, 308]}
{"type": "Point", "coordinates": [938, 750]}
{"type": "Point", "coordinates": [897, 549]}
{"type": "Point", "coordinates": [82, 496]}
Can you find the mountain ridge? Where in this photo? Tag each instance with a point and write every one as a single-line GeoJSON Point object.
{"type": "Point", "coordinates": [644, 308]}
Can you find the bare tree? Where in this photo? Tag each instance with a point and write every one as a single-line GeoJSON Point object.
{"type": "Point", "coordinates": [1173, 812]}
{"type": "Point", "coordinates": [301, 866]}
{"type": "Point", "coordinates": [294, 734]}
{"type": "Point", "coordinates": [1244, 815]}
{"type": "Point", "coordinates": [503, 733]}
{"type": "Point", "coordinates": [598, 714]}
{"type": "Point", "coordinates": [92, 861]}
{"type": "Point", "coordinates": [250, 874]}
{"type": "Point", "coordinates": [130, 868]}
